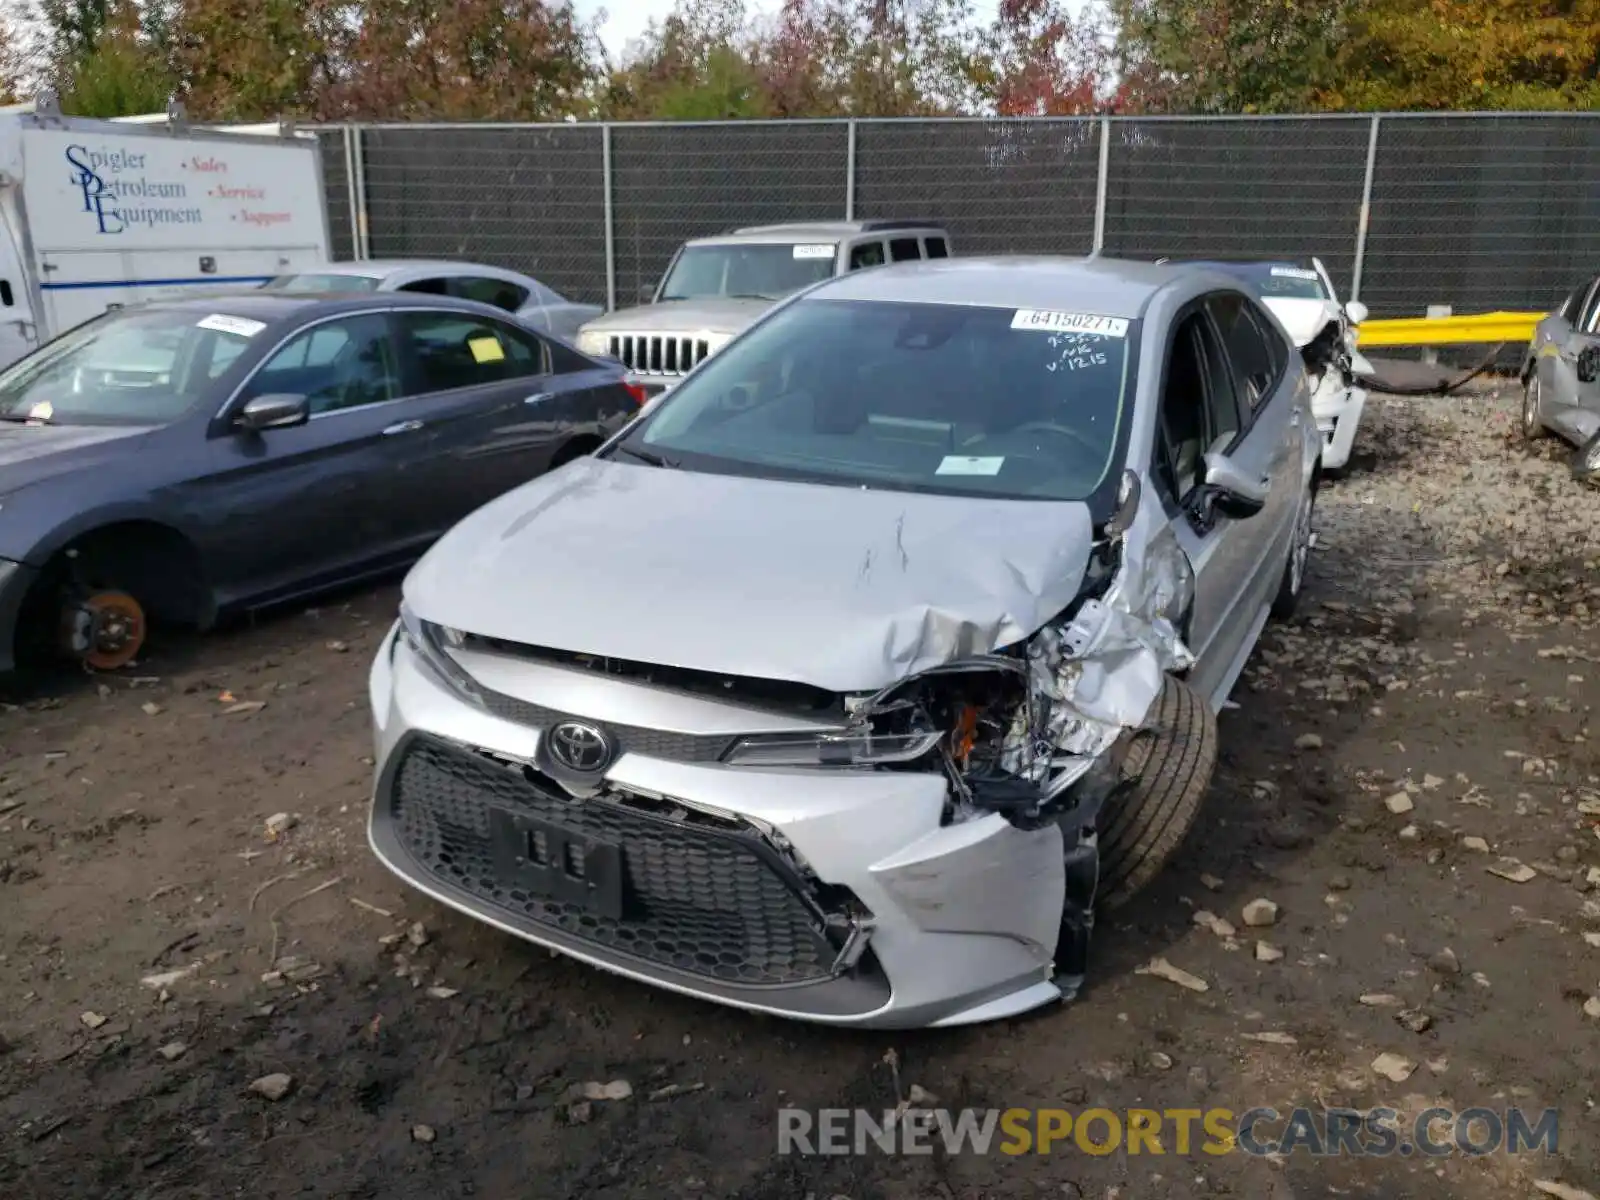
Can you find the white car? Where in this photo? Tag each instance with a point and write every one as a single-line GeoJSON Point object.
{"type": "Point", "coordinates": [1306, 304]}
{"type": "Point", "coordinates": [530, 301]}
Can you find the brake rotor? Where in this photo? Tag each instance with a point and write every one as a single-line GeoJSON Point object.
{"type": "Point", "coordinates": [105, 631]}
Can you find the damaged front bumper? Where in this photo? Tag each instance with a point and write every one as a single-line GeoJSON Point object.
{"type": "Point", "coordinates": [952, 882]}
{"type": "Point", "coordinates": [1336, 404]}
{"type": "Point", "coordinates": [902, 920]}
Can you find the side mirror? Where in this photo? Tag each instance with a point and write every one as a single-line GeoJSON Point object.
{"type": "Point", "coordinates": [1356, 311]}
{"type": "Point", "coordinates": [1234, 492]}
{"type": "Point", "coordinates": [276, 411]}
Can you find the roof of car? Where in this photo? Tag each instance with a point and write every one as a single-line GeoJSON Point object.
{"type": "Point", "coordinates": [820, 231]}
{"type": "Point", "coordinates": [1106, 286]}
{"type": "Point", "coordinates": [376, 268]}
{"type": "Point", "coordinates": [275, 305]}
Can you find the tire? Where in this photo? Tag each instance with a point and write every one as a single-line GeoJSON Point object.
{"type": "Point", "coordinates": [1531, 427]}
{"type": "Point", "coordinates": [1294, 570]}
{"type": "Point", "coordinates": [1170, 766]}
{"type": "Point", "coordinates": [1586, 461]}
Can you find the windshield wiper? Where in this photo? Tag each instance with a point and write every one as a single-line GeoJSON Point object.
{"type": "Point", "coordinates": [22, 419]}
{"type": "Point", "coordinates": [749, 296]}
{"type": "Point", "coordinates": [649, 459]}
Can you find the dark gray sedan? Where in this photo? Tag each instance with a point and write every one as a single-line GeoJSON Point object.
{"type": "Point", "coordinates": [183, 460]}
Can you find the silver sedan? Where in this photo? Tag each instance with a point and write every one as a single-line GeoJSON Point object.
{"type": "Point", "coordinates": [533, 303]}
{"type": "Point", "coordinates": [849, 680]}
{"type": "Point", "coordinates": [1561, 379]}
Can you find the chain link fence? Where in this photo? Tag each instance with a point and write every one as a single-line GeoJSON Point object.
{"type": "Point", "coordinates": [1478, 211]}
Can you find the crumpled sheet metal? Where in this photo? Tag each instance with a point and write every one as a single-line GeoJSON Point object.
{"type": "Point", "coordinates": [1096, 676]}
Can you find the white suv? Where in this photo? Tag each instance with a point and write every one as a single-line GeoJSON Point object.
{"type": "Point", "coordinates": [716, 286]}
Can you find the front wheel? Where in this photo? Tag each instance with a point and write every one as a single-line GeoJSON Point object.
{"type": "Point", "coordinates": [1168, 767]}
{"type": "Point", "coordinates": [1532, 426]}
{"type": "Point", "coordinates": [1586, 461]}
{"type": "Point", "coordinates": [1294, 570]}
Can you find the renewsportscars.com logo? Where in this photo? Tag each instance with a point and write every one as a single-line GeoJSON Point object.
{"type": "Point", "coordinates": [1318, 1132]}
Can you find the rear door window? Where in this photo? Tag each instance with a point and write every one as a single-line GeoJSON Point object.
{"type": "Point", "coordinates": [455, 350]}
{"type": "Point", "coordinates": [936, 247]}
{"type": "Point", "coordinates": [486, 290]}
{"type": "Point", "coordinates": [905, 249]}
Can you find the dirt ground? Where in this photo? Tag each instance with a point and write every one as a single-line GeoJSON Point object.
{"type": "Point", "coordinates": [1448, 651]}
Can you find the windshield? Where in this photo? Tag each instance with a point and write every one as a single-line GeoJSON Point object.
{"type": "Point", "coordinates": [330, 282]}
{"type": "Point", "coordinates": [917, 397]}
{"type": "Point", "coordinates": [763, 271]}
{"type": "Point", "coordinates": [1281, 280]}
{"type": "Point", "coordinates": [125, 368]}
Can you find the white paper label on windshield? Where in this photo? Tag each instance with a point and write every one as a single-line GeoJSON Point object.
{"type": "Point", "coordinates": [242, 326]}
{"type": "Point", "coordinates": [816, 250]}
{"type": "Point", "coordinates": [1294, 273]}
{"type": "Point", "coordinates": [955, 464]}
{"type": "Point", "coordinates": [1044, 321]}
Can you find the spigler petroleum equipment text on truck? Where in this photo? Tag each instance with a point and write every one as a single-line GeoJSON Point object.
{"type": "Point", "coordinates": [97, 214]}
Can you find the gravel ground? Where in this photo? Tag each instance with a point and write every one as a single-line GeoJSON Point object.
{"type": "Point", "coordinates": [162, 950]}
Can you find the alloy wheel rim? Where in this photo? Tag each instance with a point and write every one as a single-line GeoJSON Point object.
{"type": "Point", "coordinates": [1302, 546]}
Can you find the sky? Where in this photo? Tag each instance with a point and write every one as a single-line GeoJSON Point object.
{"type": "Point", "coordinates": [626, 19]}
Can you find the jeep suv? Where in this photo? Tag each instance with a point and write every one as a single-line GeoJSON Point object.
{"type": "Point", "coordinates": [717, 286]}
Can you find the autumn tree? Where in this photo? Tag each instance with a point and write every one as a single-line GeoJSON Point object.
{"type": "Point", "coordinates": [470, 59]}
{"type": "Point", "coordinates": [1230, 56]}
{"type": "Point", "coordinates": [104, 61]}
{"type": "Point", "coordinates": [1468, 54]}
{"type": "Point", "coordinates": [700, 63]}
{"type": "Point", "coordinates": [1047, 60]}
{"type": "Point", "coordinates": [254, 60]}
{"type": "Point", "coordinates": [14, 64]}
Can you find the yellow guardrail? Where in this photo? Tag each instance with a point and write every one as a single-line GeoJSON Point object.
{"type": "Point", "coordinates": [1449, 331]}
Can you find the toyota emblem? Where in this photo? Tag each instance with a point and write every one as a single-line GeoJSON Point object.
{"type": "Point", "coordinates": [580, 747]}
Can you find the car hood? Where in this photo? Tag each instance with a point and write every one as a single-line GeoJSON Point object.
{"type": "Point", "coordinates": [33, 453]}
{"type": "Point", "coordinates": [843, 588]}
{"type": "Point", "coordinates": [1304, 319]}
{"type": "Point", "coordinates": [710, 314]}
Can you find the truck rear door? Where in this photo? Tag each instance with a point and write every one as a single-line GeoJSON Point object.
{"type": "Point", "coordinates": [18, 333]}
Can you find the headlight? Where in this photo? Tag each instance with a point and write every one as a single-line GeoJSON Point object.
{"type": "Point", "coordinates": [431, 645]}
{"type": "Point", "coordinates": [856, 748]}
{"type": "Point", "coordinates": [593, 341]}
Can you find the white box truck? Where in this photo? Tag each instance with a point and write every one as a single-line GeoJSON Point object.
{"type": "Point", "coordinates": [99, 214]}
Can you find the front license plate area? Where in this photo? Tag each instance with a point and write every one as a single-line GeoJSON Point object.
{"type": "Point", "coordinates": [556, 862]}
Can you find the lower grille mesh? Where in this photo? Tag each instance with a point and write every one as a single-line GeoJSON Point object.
{"type": "Point", "coordinates": [699, 900]}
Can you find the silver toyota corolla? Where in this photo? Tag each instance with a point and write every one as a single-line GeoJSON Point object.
{"type": "Point", "coordinates": [850, 679]}
{"type": "Point", "coordinates": [1561, 379]}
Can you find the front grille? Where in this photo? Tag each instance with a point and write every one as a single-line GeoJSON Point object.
{"type": "Point", "coordinates": [711, 902]}
{"type": "Point", "coordinates": [658, 354]}
{"type": "Point", "coordinates": [653, 743]}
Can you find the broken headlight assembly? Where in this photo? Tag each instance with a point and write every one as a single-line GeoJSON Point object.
{"type": "Point", "coordinates": [431, 644]}
{"type": "Point", "coordinates": [848, 748]}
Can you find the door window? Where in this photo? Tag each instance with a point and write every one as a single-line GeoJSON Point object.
{"type": "Point", "coordinates": [867, 254]}
{"type": "Point", "coordinates": [936, 247]}
{"type": "Point", "coordinates": [1253, 353]}
{"type": "Point", "coordinates": [456, 350]}
{"type": "Point", "coordinates": [904, 249]}
{"type": "Point", "coordinates": [1199, 410]}
{"type": "Point", "coordinates": [501, 293]}
{"type": "Point", "coordinates": [348, 363]}
{"type": "Point", "coordinates": [427, 287]}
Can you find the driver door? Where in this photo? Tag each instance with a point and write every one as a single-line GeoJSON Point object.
{"type": "Point", "coordinates": [284, 510]}
{"type": "Point", "coordinates": [1202, 411]}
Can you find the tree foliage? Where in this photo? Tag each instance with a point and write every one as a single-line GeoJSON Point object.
{"type": "Point", "coordinates": [1468, 54]}
{"type": "Point", "coordinates": [716, 59]}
